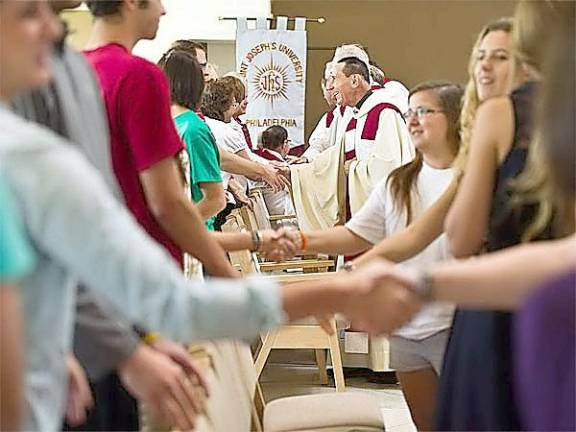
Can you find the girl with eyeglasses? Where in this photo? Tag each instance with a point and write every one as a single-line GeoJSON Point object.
{"type": "Point", "coordinates": [417, 349]}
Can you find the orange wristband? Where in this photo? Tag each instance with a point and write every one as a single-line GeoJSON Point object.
{"type": "Point", "coordinates": [303, 240]}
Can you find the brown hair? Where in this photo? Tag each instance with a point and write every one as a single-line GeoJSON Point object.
{"type": "Point", "coordinates": [558, 109]}
{"type": "Point", "coordinates": [535, 186]}
{"type": "Point", "coordinates": [470, 101]}
{"type": "Point", "coordinates": [184, 76]}
{"type": "Point", "coordinates": [534, 25]}
{"type": "Point", "coordinates": [217, 99]}
{"type": "Point", "coordinates": [402, 180]}
{"type": "Point", "coordinates": [189, 46]}
{"type": "Point", "coordinates": [104, 8]}
{"type": "Point", "coordinates": [239, 89]}
{"type": "Point", "coordinates": [274, 137]}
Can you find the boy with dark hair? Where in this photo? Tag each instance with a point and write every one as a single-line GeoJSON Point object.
{"type": "Point", "coordinates": [275, 147]}
{"type": "Point", "coordinates": [275, 143]}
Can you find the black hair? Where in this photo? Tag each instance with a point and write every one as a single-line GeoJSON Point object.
{"type": "Point", "coordinates": [352, 65]}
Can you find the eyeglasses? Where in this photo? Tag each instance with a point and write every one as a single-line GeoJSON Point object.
{"type": "Point", "coordinates": [419, 112]}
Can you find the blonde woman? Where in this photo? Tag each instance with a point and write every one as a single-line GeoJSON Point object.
{"type": "Point", "coordinates": [479, 355]}
{"type": "Point", "coordinates": [490, 70]}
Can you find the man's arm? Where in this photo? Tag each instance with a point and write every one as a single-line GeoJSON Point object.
{"type": "Point", "coordinates": [318, 142]}
{"type": "Point", "coordinates": [237, 165]}
{"type": "Point", "coordinates": [60, 195]}
{"type": "Point", "coordinates": [180, 219]}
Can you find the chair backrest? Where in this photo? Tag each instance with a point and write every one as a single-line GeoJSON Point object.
{"type": "Point", "coordinates": [244, 258]}
{"type": "Point", "coordinates": [260, 210]}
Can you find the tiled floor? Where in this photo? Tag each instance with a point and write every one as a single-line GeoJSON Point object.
{"type": "Point", "coordinates": [283, 380]}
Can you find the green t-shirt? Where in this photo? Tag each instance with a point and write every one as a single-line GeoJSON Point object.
{"type": "Point", "coordinates": [203, 154]}
{"type": "Point", "coordinates": [16, 256]}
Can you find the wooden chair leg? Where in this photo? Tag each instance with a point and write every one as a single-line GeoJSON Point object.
{"type": "Point", "coordinates": [337, 361]}
{"type": "Point", "coordinates": [259, 405]}
{"type": "Point", "coordinates": [264, 352]}
{"type": "Point", "coordinates": [321, 362]}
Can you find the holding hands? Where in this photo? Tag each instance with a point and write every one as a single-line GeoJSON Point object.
{"type": "Point", "coordinates": [384, 297]}
{"type": "Point", "coordinates": [278, 245]}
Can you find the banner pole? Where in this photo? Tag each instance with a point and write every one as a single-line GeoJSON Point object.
{"type": "Point", "coordinates": [320, 20]}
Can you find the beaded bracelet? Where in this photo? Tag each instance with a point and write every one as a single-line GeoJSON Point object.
{"type": "Point", "coordinates": [256, 241]}
{"type": "Point", "coordinates": [303, 240]}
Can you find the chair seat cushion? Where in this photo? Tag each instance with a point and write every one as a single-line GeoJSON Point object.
{"type": "Point", "coordinates": [352, 410]}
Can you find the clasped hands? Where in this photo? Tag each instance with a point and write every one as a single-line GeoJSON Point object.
{"type": "Point", "coordinates": [280, 244]}
{"type": "Point", "coordinates": [381, 296]}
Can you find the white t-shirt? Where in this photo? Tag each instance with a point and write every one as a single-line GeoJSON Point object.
{"type": "Point", "coordinates": [379, 218]}
{"type": "Point", "coordinates": [227, 140]}
{"type": "Point", "coordinates": [278, 203]}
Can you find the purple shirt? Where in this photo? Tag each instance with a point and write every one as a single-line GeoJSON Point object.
{"type": "Point", "coordinates": [545, 356]}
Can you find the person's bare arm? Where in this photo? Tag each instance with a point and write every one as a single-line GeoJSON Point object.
{"type": "Point", "coordinates": [478, 282]}
{"type": "Point", "coordinates": [499, 280]}
{"type": "Point", "coordinates": [213, 201]}
{"type": "Point", "coordinates": [337, 240]}
{"type": "Point", "coordinates": [417, 236]}
{"type": "Point", "coordinates": [379, 305]}
{"type": "Point", "coordinates": [180, 219]}
{"type": "Point", "coordinates": [11, 358]}
{"type": "Point", "coordinates": [235, 164]}
{"type": "Point", "coordinates": [467, 221]}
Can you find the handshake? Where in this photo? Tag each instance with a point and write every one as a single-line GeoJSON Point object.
{"type": "Point", "coordinates": [280, 244]}
{"type": "Point", "coordinates": [381, 296]}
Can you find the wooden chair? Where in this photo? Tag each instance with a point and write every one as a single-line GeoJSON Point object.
{"type": "Point", "coordinates": [235, 222]}
{"type": "Point", "coordinates": [259, 219]}
{"type": "Point", "coordinates": [305, 334]}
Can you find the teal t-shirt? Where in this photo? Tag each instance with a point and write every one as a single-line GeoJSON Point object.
{"type": "Point", "coordinates": [203, 154]}
{"type": "Point", "coordinates": [16, 256]}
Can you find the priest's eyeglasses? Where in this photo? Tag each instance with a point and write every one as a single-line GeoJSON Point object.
{"type": "Point", "coordinates": [419, 112]}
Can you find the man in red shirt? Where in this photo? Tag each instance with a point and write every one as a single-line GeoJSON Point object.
{"type": "Point", "coordinates": [144, 141]}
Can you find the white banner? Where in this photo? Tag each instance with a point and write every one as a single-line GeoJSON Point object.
{"type": "Point", "coordinates": [273, 62]}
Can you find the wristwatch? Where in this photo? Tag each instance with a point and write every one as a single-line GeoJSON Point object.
{"type": "Point", "coordinates": [348, 266]}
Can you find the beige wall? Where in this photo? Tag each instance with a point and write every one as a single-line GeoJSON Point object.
{"type": "Point", "coordinates": [79, 25]}
{"type": "Point", "coordinates": [412, 40]}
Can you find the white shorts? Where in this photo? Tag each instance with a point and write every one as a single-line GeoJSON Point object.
{"type": "Point", "coordinates": [409, 355]}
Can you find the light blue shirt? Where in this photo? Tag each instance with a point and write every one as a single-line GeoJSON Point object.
{"type": "Point", "coordinates": [16, 256]}
{"type": "Point", "coordinates": [81, 233]}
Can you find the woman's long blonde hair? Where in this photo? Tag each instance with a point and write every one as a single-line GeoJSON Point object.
{"type": "Point", "coordinates": [470, 101]}
{"type": "Point", "coordinates": [533, 30]}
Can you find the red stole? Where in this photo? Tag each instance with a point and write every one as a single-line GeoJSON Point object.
{"type": "Point", "coordinates": [267, 154]}
{"type": "Point", "coordinates": [245, 132]}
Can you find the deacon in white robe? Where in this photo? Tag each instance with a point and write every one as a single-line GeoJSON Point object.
{"type": "Point", "coordinates": [370, 138]}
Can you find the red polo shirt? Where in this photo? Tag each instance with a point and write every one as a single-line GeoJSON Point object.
{"type": "Point", "coordinates": [142, 132]}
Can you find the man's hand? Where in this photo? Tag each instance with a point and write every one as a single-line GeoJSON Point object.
{"type": "Point", "coordinates": [347, 165]}
{"type": "Point", "coordinates": [239, 194]}
{"type": "Point", "coordinates": [181, 356]}
{"type": "Point", "coordinates": [381, 300]}
{"type": "Point", "coordinates": [165, 384]}
{"type": "Point", "coordinates": [79, 395]}
{"type": "Point", "coordinates": [297, 160]}
{"type": "Point", "coordinates": [278, 245]}
{"type": "Point", "coordinates": [274, 178]}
